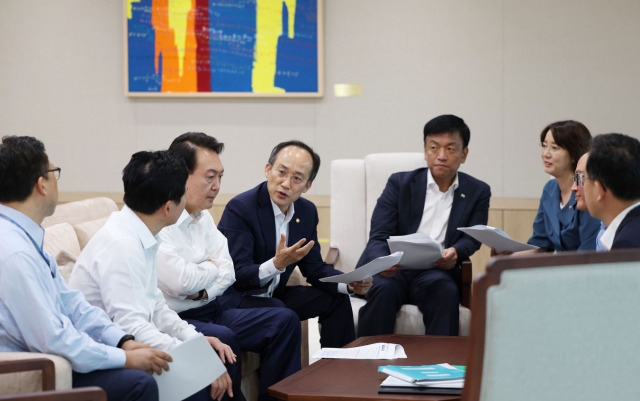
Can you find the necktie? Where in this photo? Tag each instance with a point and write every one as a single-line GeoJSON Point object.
{"type": "Point", "coordinates": [599, 246]}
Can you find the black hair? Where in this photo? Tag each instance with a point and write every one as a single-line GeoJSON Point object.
{"type": "Point", "coordinates": [447, 124]}
{"type": "Point", "coordinates": [186, 145]}
{"type": "Point", "coordinates": [299, 144]}
{"type": "Point", "coordinates": [570, 135]}
{"type": "Point", "coordinates": [23, 160]}
{"type": "Point", "coordinates": [153, 178]}
{"type": "Point", "coordinates": [614, 161]}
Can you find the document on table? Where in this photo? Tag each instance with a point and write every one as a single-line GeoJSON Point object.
{"type": "Point", "coordinates": [363, 272]}
{"type": "Point", "coordinates": [195, 365]}
{"type": "Point", "coordinates": [420, 250]}
{"type": "Point", "coordinates": [371, 351]}
{"type": "Point", "coordinates": [496, 238]}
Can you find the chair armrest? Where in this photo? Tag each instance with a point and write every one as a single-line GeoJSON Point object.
{"type": "Point", "coordinates": [24, 365]}
{"type": "Point", "coordinates": [77, 394]}
{"type": "Point", "coordinates": [465, 283]}
{"type": "Point", "coordinates": [332, 256]}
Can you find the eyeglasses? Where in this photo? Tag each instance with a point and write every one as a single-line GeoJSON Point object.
{"type": "Point", "coordinates": [551, 148]}
{"type": "Point", "coordinates": [295, 179]}
{"type": "Point", "coordinates": [56, 172]}
{"type": "Point", "coordinates": [578, 178]}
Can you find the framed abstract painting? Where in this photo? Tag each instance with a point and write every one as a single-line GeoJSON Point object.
{"type": "Point", "coordinates": [251, 48]}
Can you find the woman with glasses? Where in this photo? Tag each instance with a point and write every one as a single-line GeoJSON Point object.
{"type": "Point", "coordinates": [559, 225]}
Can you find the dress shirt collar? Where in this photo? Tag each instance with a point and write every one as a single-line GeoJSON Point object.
{"type": "Point", "coordinates": [147, 239]}
{"type": "Point", "coordinates": [278, 213]}
{"type": "Point", "coordinates": [31, 227]}
{"type": "Point", "coordinates": [432, 184]}
{"type": "Point", "coordinates": [186, 219]}
{"type": "Point", "coordinates": [610, 233]}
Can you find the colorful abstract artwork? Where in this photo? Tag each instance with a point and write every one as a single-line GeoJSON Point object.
{"type": "Point", "coordinates": [223, 47]}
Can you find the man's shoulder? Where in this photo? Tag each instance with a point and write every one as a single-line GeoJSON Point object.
{"type": "Point", "coordinates": [466, 179]}
{"type": "Point", "coordinates": [248, 196]}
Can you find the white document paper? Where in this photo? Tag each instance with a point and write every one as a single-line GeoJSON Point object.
{"type": "Point", "coordinates": [195, 366]}
{"type": "Point", "coordinates": [420, 250]}
{"type": "Point", "coordinates": [371, 351]}
{"type": "Point", "coordinates": [369, 270]}
{"type": "Point", "coordinates": [496, 238]}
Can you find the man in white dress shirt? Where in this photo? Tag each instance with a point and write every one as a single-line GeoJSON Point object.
{"type": "Point", "coordinates": [195, 269]}
{"type": "Point", "coordinates": [116, 271]}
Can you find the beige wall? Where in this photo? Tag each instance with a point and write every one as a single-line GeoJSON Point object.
{"type": "Point", "coordinates": [508, 67]}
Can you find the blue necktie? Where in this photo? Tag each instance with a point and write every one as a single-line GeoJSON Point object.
{"type": "Point", "coordinates": [599, 246]}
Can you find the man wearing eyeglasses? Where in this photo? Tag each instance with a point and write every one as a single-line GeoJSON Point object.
{"type": "Point", "coordinates": [578, 189]}
{"type": "Point", "coordinates": [612, 188]}
{"type": "Point", "coordinates": [271, 229]}
{"type": "Point", "coordinates": [38, 311]}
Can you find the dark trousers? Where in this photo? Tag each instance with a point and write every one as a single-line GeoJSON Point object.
{"type": "Point", "coordinates": [433, 291]}
{"type": "Point", "coordinates": [120, 384]}
{"type": "Point", "coordinates": [333, 310]}
{"type": "Point", "coordinates": [274, 333]}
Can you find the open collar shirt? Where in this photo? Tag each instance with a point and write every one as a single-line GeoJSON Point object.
{"type": "Point", "coordinates": [610, 232]}
{"type": "Point", "coordinates": [437, 208]}
{"type": "Point", "coordinates": [193, 255]}
{"type": "Point", "coordinates": [117, 272]}
{"type": "Point", "coordinates": [38, 311]}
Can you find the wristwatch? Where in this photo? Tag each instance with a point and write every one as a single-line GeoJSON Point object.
{"type": "Point", "coordinates": [124, 339]}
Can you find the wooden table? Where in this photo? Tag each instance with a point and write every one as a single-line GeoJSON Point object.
{"type": "Point", "coordinates": [358, 379]}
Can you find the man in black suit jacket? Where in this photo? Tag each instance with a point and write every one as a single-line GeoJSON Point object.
{"type": "Point", "coordinates": [436, 201]}
{"type": "Point", "coordinates": [612, 188]}
{"type": "Point", "coordinates": [271, 230]}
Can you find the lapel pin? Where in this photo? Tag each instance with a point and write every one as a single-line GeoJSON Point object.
{"type": "Point", "coordinates": [570, 207]}
{"type": "Point", "coordinates": [463, 195]}
{"type": "Point", "coordinates": [297, 220]}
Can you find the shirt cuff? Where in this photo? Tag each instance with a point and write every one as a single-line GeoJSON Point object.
{"type": "Point", "coordinates": [267, 271]}
{"type": "Point", "coordinates": [343, 289]}
{"type": "Point", "coordinates": [112, 335]}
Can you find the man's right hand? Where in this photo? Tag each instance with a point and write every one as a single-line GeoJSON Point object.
{"type": "Point", "coordinates": [390, 272]}
{"type": "Point", "coordinates": [148, 359]}
{"type": "Point", "coordinates": [288, 255]}
{"type": "Point", "coordinates": [220, 386]}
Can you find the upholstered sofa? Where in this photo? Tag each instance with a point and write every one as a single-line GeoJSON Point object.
{"type": "Point", "coordinates": [67, 231]}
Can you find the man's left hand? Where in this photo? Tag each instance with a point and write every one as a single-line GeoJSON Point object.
{"type": "Point", "coordinates": [361, 287]}
{"type": "Point", "coordinates": [448, 260]}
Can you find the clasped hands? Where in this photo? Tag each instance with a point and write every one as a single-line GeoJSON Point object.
{"type": "Point", "coordinates": [447, 261]}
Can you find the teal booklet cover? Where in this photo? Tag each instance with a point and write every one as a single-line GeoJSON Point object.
{"type": "Point", "coordinates": [425, 373]}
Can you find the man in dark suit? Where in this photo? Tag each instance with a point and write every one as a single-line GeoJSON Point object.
{"type": "Point", "coordinates": [271, 229]}
{"type": "Point", "coordinates": [612, 188]}
{"type": "Point", "coordinates": [435, 201]}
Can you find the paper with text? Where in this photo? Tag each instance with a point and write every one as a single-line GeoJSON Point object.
{"type": "Point", "coordinates": [365, 271]}
{"type": "Point", "coordinates": [371, 351]}
{"type": "Point", "coordinates": [195, 366]}
{"type": "Point", "coordinates": [420, 250]}
{"type": "Point", "coordinates": [496, 238]}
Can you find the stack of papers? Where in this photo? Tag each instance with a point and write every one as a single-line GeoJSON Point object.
{"type": "Point", "coordinates": [365, 271]}
{"type": "Point", "coordinates": [420, 250]}
{"type": "Point", "coordinates": [496, 238]}
{"type": "Point", "coordinates": [428, 379]}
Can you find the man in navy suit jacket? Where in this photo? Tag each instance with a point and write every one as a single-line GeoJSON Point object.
{"type": "Point", "coordinates": [271, 230]}
{"type": "Point", "coordinates": [612, 188]}
{"type": "Point", "coordinates": [436, 201]}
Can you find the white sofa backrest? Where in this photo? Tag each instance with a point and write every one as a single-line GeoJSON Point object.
{"type": "Point", "coordinates": [81, 211]}
{"type": "Point", "coordinates": [356, 185]}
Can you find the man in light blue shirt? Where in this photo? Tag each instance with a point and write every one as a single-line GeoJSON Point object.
{"type": "Point", "coordinates": [38, 312]}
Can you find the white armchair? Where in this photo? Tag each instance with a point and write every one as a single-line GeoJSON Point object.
{"type": "Point", "coordinates": [356, 185]}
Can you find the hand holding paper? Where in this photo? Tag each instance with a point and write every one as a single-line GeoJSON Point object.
{"type": "Point", "coordinates": [496, 238]}
{"type": "Point", "coordinates": [364, 272]}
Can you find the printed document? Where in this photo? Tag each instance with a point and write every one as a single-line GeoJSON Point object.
{"type": "Point", "coordinates": [369, 270]}
{"type": "Point", "coordinates": [195, 366]}
{"type": "Point", "coordinates": [371, 351]}
{"type": "Point", "coordinates": [496, 238]}
{"type": "Point", "coordinates": [420, 250]}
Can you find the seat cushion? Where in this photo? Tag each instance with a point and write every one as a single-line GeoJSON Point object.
{"type": "Point", "coordinates": [61, 242]}
{"type": "Point", "coordinates": [86, 229]}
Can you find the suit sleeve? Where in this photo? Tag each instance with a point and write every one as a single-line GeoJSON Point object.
{"type": "Point", "coordinates": [241, 236]}
{"type": "Point", "coordinates": [384, 223]}
{"type": "Point", "coordinates": [465, 245]}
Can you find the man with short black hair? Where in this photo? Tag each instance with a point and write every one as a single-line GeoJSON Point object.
{"type": "Point", "coordinates": [117, 269]}
{"type": "Point", "coordinates": [38, 311]}
{"type": "Point", "coordinates": [271, 230]}
{"type": "Point", "coordinates": [436, 201]}
{"type": "Point", "coordinates": [612, 188]}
